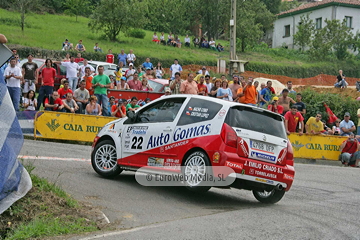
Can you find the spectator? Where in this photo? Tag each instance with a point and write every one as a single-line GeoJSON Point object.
{"type": "Point", "coordinates": [13, 76]}
{"type": "Point", "coordinates": [209, 85]}
{"type": "Point", "coordinates": [256, 85]}
{"type": "Point", "coordinates": [204, 43]}
{"type": "Point", "coordinates": [340, 80]}
{"type": "Point", "coordinates": [250, 93]}
{"type": "Point", "coordinates": [162, 39]}
{"type": "Point", "coordinates": [155, 38]}
{"type": "Point", "coordinates": [212, 44]}
{"type": "Point", "coordinates": [284, 100]}
{"type": "Point", "coordinates": [110, 57]}
{"type": "Point", "coordinates": [29, 71]}
{"type": "Point", "coordinates": [220, 47]}
{"type": "Point", "coordinates": [292, 119]}
{"type": "Point", "coordinates": [202, 87]}
{"type": "Point", "coordinates": [112, 81]}
{"type": "Point", "coordinates": [30, 102]}
{"type": "Point", "coordinates": [215, 88]}
{"type": "Point", "coordinates": [93, 108]}
{"type": "Point", "coordinates": [140, 72]}
{"type": "Point", "coordinates": [97, 48]}
{"type": "Point", "coordinates": [346, 126]}
{"type": "Point", "coordinates": [266, 94]}
{"type": "Point", "coordinates": [223, 78]}
{"type": "Point", "coordinates": [147, 100]}
{"type": "Point", "coordinates": [240, 96]}
{"type": "Point", "coordinates": [72, 73]}
{"type": "Point", "coordinates": [189, 86]}
{"type": "Point", "coordinates": [81, 96]}
{"type": "Point", "coordinates": [327, 130]}
{"type": "Point", "coordinates": [176, 84]}
{"type": "Point", "coordinates": [88, 80]}
{"type": "Point", "coordinates": [122, 57]}
{"type": "Point", "coordinates": [132, 106]}
{"type": "Point", "coordinates": [358, 127]}
{"type": "Point", "coordinates": [66, 46]}
{"type": "Point", "coordinates": [80, 47]}
{"type": "Point", "coordinates": [177, 42]}
{"type": "Point", "coordinates": [224, 92]}
{"type": "Point", "coordinates": [314, 125]}
{"type": "Point", "coordinates": [69, 103]}
{"type": "Point", "coordinates": [275, 107]}
{"type": "Point", "coordinates": [67, 58]}
{"type": "Point", "coordinates": [79, 58]}
{"type": "Point", "coordinates": [176, 67]}
{"type": "Point", "coordinates": [63, 91]}
{"type": "Point", "coordinates": [202, 73]}
{"type": "Point", "coordinates": [123, 84]}
{"type": "Point", "coordinates": [54, 102]}
{"type": "Point", "coordinates": [196, 42]}
{"type": "Point", "coordinates": [159, 72]}
{"type": "Point", "coordinates": [336, 128]}
{"type": "Point", "coordinates": [101, 83]}
{"type": "Point", "coordinates": [235, 85]}
{"type": "Point", "coordinates": [187, 41]}
{"type": "Point", "coordinates": [118, 73]}
{"type": "Point", "coordinates": [262, 86]}
{"type": "Point", "coordinates": [130, 58]}
{"type": "Point", "coordinates": [85, 65]}
{"type": "Point", "coordinates": [350, 155]}
{"type": "Point", "coordinates": [289, 87]}
{"type": "Point", "coordinates": [167, 91]}
{"type": "Point", "coordinates": [145, 85]}
{"type": "Point", "coordinates": [129, 74]}
{"type": "Point", "coordinates": [169, 39]}
{"type": "Point", "coordinates": [147, 64]}
{"type": "Point", "coordinates": [135, 84]}
{"type": "Point", "coordinates": [111, 102]}
{"type": "Point", "coordinates": [119, 110]}
{"type": "Point", "coordinates": [299, 104]}
{"type": "Point", "coordinates": [48, 74]}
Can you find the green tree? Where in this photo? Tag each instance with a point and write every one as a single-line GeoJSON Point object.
{"type": "Point", "coordinates": [78, 7]}
{"type": "Point", "coordinates": [21, 6]}
{"type": "Point", "coordinates": [287, 5]}
{"type": "Point", "coordinates": [306, 27]}
{"type": "Point", "coordinates": [113, 16]}
{"type": "Point", "coordinates": [272, 5]}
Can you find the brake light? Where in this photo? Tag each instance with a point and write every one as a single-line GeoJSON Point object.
{"type": "Point", "coordinates": [228, 135]}
{"type": "Point", "coordinates": [289, 154]}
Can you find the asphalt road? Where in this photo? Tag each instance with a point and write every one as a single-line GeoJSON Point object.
{"type": "Point", "coordinates": [324, 202]}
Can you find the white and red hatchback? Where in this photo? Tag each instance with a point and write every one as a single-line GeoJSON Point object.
{"type": "Point", "coordinates": [196, 132]}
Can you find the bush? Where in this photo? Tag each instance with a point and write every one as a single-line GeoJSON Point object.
{"type": "Point", "coordinates": [135, 33]}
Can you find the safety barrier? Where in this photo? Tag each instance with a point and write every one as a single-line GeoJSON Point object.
{"type": "Point", "coordinates": [307, 146]}
{"type": "Point", "coordinates": [68, 126]}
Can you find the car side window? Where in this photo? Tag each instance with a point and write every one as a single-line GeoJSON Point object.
{"type": "Point", "coordinates": [162, 111]}
{"type": "Point", "coordinates": [62, 69]}
{"type": "Point", "coordinates": [198, 110]}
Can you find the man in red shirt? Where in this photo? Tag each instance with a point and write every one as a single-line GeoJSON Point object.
{"type": "Point", "coordinates": [292, 118]}
{"type": "Point", "coordinates": [54, 103]}
{"type": "Point", "coordinates": [110, 57]}
{"type": "Point", "coordinates": [202, 87]}
{"type": "Point", "coordinates": [47, 85]}
{"type": "Point", "coordinates": [275, 107]}
{"type": "Point", "coordinates": [119, 110]}
{"type": "Point", "coordinates": [135, 84]}
{"type": "Point", "coordinates": [350, 155]}
{"type": "Point", "coordinates": [63, 91]}
{"type": "Point", "coordinates": [79, 58]}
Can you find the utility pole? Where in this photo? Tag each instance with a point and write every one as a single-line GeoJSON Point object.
{"type": "Point", "coordinates": [233, 31]}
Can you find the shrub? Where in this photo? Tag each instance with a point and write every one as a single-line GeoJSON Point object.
{"type": "Point", "coordinates": [135, 33]}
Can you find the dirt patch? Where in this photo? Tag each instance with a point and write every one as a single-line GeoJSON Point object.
{"type": "Point", "coordinates": [347, 92]}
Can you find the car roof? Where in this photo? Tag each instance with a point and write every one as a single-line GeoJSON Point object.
{"type": "Point", "coordinates": [100, 63]}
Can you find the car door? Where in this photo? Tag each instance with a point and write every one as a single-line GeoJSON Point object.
{"type": "Point", "coordinates": [144, 140]}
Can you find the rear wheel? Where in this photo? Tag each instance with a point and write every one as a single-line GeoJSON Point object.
{"type": "Point", "coordinates": [269, 197]}
{"type": "Point", "coordinates": [104, 159]}
{"type": "Point", "coordinates": [196, 170]}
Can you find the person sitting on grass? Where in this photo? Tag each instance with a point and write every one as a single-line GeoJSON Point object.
{"type": "Point", "coordinates": [155, 38]}
{"type": "Point", "coordinates": [97, 48]}
{"type": "Point", "coordinates": [80, 47]}
{"type": "Point", "coordinates": [187, 41]}
{"type": "Point", "coordinates": [70, 105]}
{"type": "Point", "coordinates": [162, 39]}
{"type": "Point", "coordinates": [196, 42]}
{"type": "Point", "coordinates": [219, 47]}
{"type": "Point", "coordinates": [212, 44]}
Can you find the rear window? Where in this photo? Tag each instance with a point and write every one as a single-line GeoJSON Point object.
{"type": "Point", "coordinates": [257, 120]}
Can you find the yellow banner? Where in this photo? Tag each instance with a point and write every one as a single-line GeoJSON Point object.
{"type": "Point", "coordinates": [316, 146]}
{"type": "Point", "coordinates": [68, 126]}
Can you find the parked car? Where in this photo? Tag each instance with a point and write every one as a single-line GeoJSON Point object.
{"type": "Point", "coordinates": [197, 132]}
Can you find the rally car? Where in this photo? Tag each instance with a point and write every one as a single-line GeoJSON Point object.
{"type": "Point", "coordinates": [196, 131]}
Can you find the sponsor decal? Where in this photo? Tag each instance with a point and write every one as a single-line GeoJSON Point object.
{"type": "Point", "coordinates": [263, 156]}
{"type": "Point", "coordinates": [264, 167]}
{"type": "Point", "coordinates": [190, 132]}
{"type": "Point", "coordinates": [222, 112]}
{"type": "Point", "coordinates": [260, 180]}
{"type": "Point", "coordinates": [198, 112]}
{"type": "Point", "coordinates": [174, 145]}
{"type": "Point", "coordinates": [243, 171]}
{"type": "Point", "coordinates": [216, 157]}
{"type": "Point", "coordinates": [265, 174]}
{"type": "Point", "coordinates": [172, 163]}
{"type": "Point", "coordinates": [155, 162]}
{"type": "Point", "coordinates": [138, 130]}
{"type": "Point", "coordinates": [188, 113]}
{"type": "Point", "coordinates": [111, 128]}
{"type": "Point", "coordinates": [289, 177]}
{"type": "Point", "coordinates": [53, 125]}
{"type": "Point", "coordinates": [234, 165]}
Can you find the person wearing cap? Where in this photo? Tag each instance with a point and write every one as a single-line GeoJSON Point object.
{"type": "Point", "coordinates": [123, 84]}
{"type": "Point", "coordinates": [80, 47]}
{"type": "Point", "coordinates": [346, 126]}
{"type": "Point", "coordinates": [129, 74]}
{"type": "Point", "coordinates": [119, 110]}
{"type": "Point", "coordinates": [202, 70]}
{"type": "Point", "coordinates": [275, 107]}
{"type": "Point", "coordinates": [147, 64]}
{"type": "Point", "coordinates": [314, 125]}
{"type": "Point", "coordinates": [148, 74]}
{"type": "Point", "coordinates": [167, 91]}
{"type": "Point", "coordinates": [292, 119]}
{"type": "Point", "coordinates": [350, 155]}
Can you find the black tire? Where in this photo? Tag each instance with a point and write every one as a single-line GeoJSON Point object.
{"type": "Point", "coordinates": [269, 197]}
{"type": "Point", "coordinates": [197, 158]}
{"type": "Point", "coordinates": [104, 159]}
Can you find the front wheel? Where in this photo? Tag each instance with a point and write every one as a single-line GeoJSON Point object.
{"type": "Point", "coordinates": [104, 159]}
{"type": "Point", "coordinates": [270, 197]}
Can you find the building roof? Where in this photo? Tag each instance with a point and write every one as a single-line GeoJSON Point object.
{"type": "Point", "coordinates": [321, 4]}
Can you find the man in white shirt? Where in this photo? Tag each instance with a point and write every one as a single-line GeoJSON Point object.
{"type": "Point", "coordinates": [82, 68]}
{"type": "Point", "coordinates": [72, 73]}
{"type": "Point", "coordinates": [208, 84]}
{"type": "Point", "coordinates": [187, 41]}
{"type": "Point", "coordinates": [130, 58]}
{"type": "Point", "coordinates": [203, 71]}
{"type": "Point", "coordinates": [12, 76]}
{"type": "Point", "coordinates": [175, 68]}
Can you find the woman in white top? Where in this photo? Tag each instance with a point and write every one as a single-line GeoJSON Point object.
{"type": "Point", "coordinates": [224, 92]}
{"type": "Point", "coordinates": [212, 44]}
{"type": "Point", "coordinates": [30, 102]}
{"type": "Point", "coordinates": [159, 71]}
{"type": "Point", "coordinates": [155, 38]}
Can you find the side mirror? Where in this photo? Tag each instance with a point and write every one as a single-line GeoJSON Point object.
{"type": "Point", "coordinates": [131, 115]}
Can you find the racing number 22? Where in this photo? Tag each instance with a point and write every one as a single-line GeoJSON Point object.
{"type": "Point", "coordinates": [138, 141]}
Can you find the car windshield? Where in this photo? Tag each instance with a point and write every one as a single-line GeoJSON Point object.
{"type": "Point", "coordinates": [256, 119]}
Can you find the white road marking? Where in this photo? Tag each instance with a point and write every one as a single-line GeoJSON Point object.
{"type": "Point", "coordinates": [53, 158]}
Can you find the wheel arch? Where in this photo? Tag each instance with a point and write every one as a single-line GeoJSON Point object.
{"type": "Point", "coordinates": [190, 151]}
{"type": "Point", "coordinates": [105, 137]}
